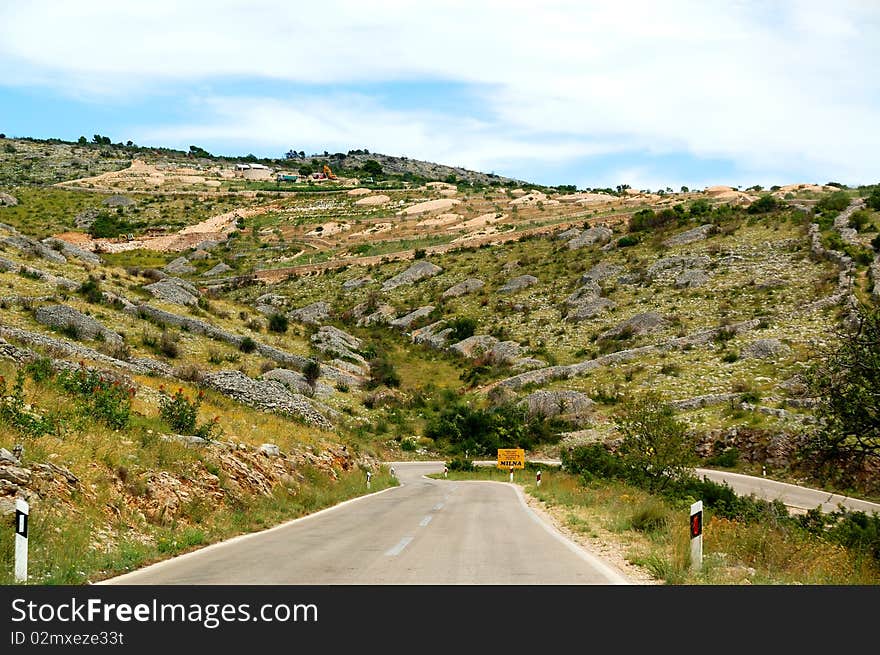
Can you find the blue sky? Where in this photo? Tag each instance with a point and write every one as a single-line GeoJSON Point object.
{"type": "Point", "coordinates": [587, 93]}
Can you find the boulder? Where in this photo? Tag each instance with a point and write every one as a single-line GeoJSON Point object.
{"type": "Point", "coordinates": [690, 236]}
{"type": "Point", "coordinates": [356, 283]}
{"type": "Point", "coordinates": [765, 349]}
{"type": "Point", "coordinates": [179, 266]}
{"type": "Point", "coordinates": [297, 382]}
{"type": "Point", "coordinates": [7, 201]}
{"type": "Point", "coordinates": [313, 314]}
{"type": "Point", "coordinates": [269, 450]}
{"type": "Point", "coordinates": [467, 286]}
{"type": "Point", "coordinates": [418, 271]}
{"type": "Point", "coordinates": [587, 292]}
{"type": "Point", "coordinates": [382, 315]}
{"type": "Point", "coordinates": [219, 269]}
{"type": "Point", "coordinates": [691, 278]}
{"type": "Point", "coordinates": [587, 310]}
{"type": "Point", "coordinates": [175, 291]}
{"type": "Point", "coordinates": [35, 248]}
{"type": "Point", "coordinates": [517, 283]}
{"type": "Point", "coordinates": [677, 263]}
{"type": "Point", "coordinates": [590, 236]}
{"type": "Point", "coordinates": [406, 320]}
{"type": "Point", "coordinates": [601, 271]}
{"type": "Point", "coordinates": [568, 234]}
{"type": "Point", "coordinates": [433, 335]}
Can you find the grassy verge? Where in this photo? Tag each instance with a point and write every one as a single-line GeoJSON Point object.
{"type": "Point", "coordinates": [653, 534]}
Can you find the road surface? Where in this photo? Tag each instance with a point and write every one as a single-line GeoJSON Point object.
{"type": "Point", "coordinates": [423, 532]}
{"type": "Point", "coordinates": [794, 496]}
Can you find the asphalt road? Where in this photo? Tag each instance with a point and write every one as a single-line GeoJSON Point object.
{"type": "Point", "coordinates": [794, 496]}
{"type": "Point", "coordinates": [423, 532]}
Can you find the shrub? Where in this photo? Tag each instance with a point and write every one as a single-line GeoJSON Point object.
{"type": "Point", "coordinates": [592, 461]}
{"type": "Point", "coordinates": [247, 345]}
{"type": "Point", "coordinates": [873, 200]}
{"type": "Point", "coordinates": [833, 202]}
{"type": "Point", "coordinates": [100, 396]}
{"type": "Point", "coordinates": [650, 517]}
{"type": "Point", "coordinates": [727, 458]}
{"type": "Point", "coordinates": [460, 464]}
{"type": "Point", "coordinates": [462, 328]}
{"type": "Point", "coordinates": [14, 411]}
{"type": "Point", "coordinates": [91, 290]}
{"type": "Point", "coordinates": [312, 371]}
{"type": "Point", "coordinates": [763, 205]}
{"type": "Point", "coordinates": [408, 445]}
{"type": "Point", "coordinates": [278, 323]}
{"type": "Point", "coordinates": [40, 369]}
{"type": "Point", "coordinates": [419, 253]}
{"type": "Point", "coordinates": [181, 414]}
{"type": "Point", "coordinates": [168, 344]}
{"type": "Point", "coordinates": [627, 241]}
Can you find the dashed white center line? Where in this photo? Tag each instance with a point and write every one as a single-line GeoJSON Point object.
{"type": "Point", "coordinates": [403, 543]}
{"type": "Point", "coordinates": [437, 507]}
{"type": "Point", "coordinates": [425, 521]}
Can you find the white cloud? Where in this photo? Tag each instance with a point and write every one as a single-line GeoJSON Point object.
{"type": "Point", "coordinates": [788, 89]}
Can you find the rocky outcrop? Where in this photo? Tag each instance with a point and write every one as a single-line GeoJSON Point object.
{"type": "Point", "coordinates": [691, 278]}
{"type": "Point", "coordinates": [356, 283]}
{"type": "Point", "coordinates": [434, 335]}
{"type": "Point", "coordinates": [297, 382]}
{"type": "Point", "coordinates": [418, 271]}
{"type": "Point", "coordinates": [219, 269]}
{"type": "Point", "coordinates": [30, 246]}
{"type": "Point", "coordinates": [266, 395]}
{"type": "Point", "coordinates": [688, 404]}
{"type": "Point", "coordinates": [71, 251]}
{"type": "Point", "coordinates": [572, 405]}
{"type": "Point", "coordinates": [466, 286]}
{"type": "Point", "coordinates": [381, 315]}
{"type": "Point", "coordinates": [313, 314]}
{"type": "Point", "coordinates": [118, 201]}
{"type": "Point", "coordinates": [179, 266]}
{"type": "Point", "coordinates": [587, 310]}
{"type": "Point", "coordinates": [765, 349]}
{"type": "Point", "coordinates": [67, 318]}
{"type": "Point", "coordinates": [518, 283]}
{"type": "Point", "coordinates": [406, 320]}
{"type": "Point", "coordinates": [7, 200]}
{"type": "Point", "coordinates": [175, 291]}
{"type": "Point", "coordinates": [589, 237]}
{"type": "Point", "coordinates": [601, 271]}
{"type": "Point", "coordinates": [493, 351]}
{"type": "Point", "coordinates": [337, 343]}
{"type": "Point", "coordinates": [637, 325]}
{"type": "Point", "coordinates": [690, 236]}
{"type": "Point", "coordinates": [677, 264]}
{"type": "Point", "coordinates": [568, 234]}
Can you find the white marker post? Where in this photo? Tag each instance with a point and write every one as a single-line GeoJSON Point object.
{"type": "Point", "coordinates": [21, 540]}
{"type": "Point", "coordinates": [511, 474]}
{"type": "Point", "coordinates": [764, 471]}
{"type": "Point", "coordinates": [392, 472]}
{"type": "Point", "coordinates": [445, 471]}
{"type": "Point", "coordinates": [696, 530]}
{"type": "Point", "coordinates": [538, 479]}
{"type": "Point", "coordinates": [369, 475]}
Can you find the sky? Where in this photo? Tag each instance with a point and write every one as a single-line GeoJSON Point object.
{"type": "Point", "coordinates": [595, 94]}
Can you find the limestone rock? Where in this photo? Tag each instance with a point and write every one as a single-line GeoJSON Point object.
{"type": "Point", "coordinates": [690, 236]}
{"type": "Point", "coordinates": [175, 291]}
{"type": "Point", "coordinates": [406, 320]}
{"type": "Point", "coordinates": [588, 237]}
{"type": "Point", "coordinates": [517, 283]}
{"type": "Point", "coordinates": [636, 325]}
{"type": "Point", "coordinates": [418, 271]}
{"type": "Point", "coordinates": [66, 317]}
{"type": "Point", "coordinates": [179, 266]}
{"type": "Point", "coordinates": [765, 349]}
{"type": "Point", "coordinates": [467, 286]}
{"type": "Point", "coordinates": [313, 314]}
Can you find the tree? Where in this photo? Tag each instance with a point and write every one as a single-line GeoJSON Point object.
{"type": "Point", "coordinates": [312, 371]}
{"type": "Point", "coordinates": [82, 141]}
{"type": "Point", "coordinates": [763, 205]}
{"type": "Point", "coordinates": [684, 189]}
{"type": "Point", "coordinates": [847, 379]}
{"type": "Point", "coordinates": [195, 151]}
{"type": "Point", "coordinates": [372, 167]}
{"type": "Point", "coordinates": [873, 200]}
{"type": "Point", "coordinates": [656, 448]}
{"type": "Point", "coordinates": [622, 187]}
{"type": "Point", "coordinates": [278, 323]}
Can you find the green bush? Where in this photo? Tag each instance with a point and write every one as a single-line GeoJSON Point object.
{"type": "Point", "coordinates": [100, 396]}
{"type": "Point", "coordinates": [651, 516]}
{"type": "Point", "coordinates": [247, 345]}
{"type": "Point", "coordinates": [763, 205]}
{"type": "Point", "coordinates": [834, 202]}
{"type": "Point", "coordinates": [23, 416]}
{"type": "Point", "coordinates": [181, 414]}
{"type": "Point", "coordinates": [873, 200]}
{"type": "Point", "coordinates": [728, 458]}
{"type": "Point", "coordinates": [312, 371]}
{"type": "Point", "coordinates": [462, 328]}
{"type": "Point", "coordinates": [460, 464]}
{"type": "Point", "coordinates": [627, 241]}
{"type": "Point", "coordinates": [278, 323]}
{"type": "Point", "coordinates": [592, 461]}
{"type": "Point", "coordinates": [91, 291]}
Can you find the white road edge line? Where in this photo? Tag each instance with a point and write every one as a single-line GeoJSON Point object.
{"type": "Point", "coordinates": [425, 521]}
{"type": "Point", "coordinates": [121, 579]}
{"type": "Point", "coordinates": [403, 543]}
{"type": "Point", "coordinates": [613, 576]}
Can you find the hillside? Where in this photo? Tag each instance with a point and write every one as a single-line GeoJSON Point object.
{"type": "Point", "coordinates": [334, 325]}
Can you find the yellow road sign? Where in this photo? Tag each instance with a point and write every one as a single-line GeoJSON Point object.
{"type": "Point", "coordinates": [511, 458]}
